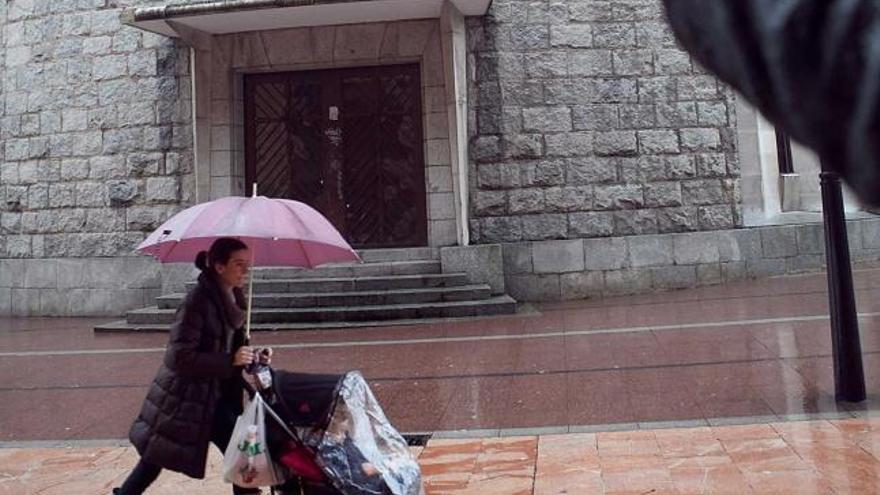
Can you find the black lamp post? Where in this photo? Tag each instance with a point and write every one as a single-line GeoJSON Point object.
{"type": "Point", "coordinates": [849, 375]}
{"type": "Point", "coordinates": [846, 347]}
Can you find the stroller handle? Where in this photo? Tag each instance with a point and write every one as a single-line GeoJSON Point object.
{"type": "Point", "coordinates": [253, 391]}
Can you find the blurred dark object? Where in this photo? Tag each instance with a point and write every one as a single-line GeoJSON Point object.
{"type": "Point", "coordinates": [812, 67]}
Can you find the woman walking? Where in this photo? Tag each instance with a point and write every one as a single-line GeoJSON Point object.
{"type": "Point", "coordinates": [197, 393]}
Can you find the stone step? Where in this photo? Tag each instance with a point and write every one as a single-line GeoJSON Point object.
{"type": "Point", "coordinates": [348, 284]}
{"type": "Point", "coordinates": [379, 269]}
{"type": "Point", "coordinates": [399, 254]}
{"type": "Point", "coordinates": [125, 326]}
{"type": "Point", "coordinates": [357, 298]}
{"type": "Point", "coordinates": [441, 309]}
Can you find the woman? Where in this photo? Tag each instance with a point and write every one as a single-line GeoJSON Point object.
{"type": "Point", "coordinates": [197, 393]}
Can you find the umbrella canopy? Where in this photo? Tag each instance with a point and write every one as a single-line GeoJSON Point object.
{"type": "Point", "coordinates": [280, 232]}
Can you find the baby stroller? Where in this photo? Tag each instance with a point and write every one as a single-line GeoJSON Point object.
{"type": "Point", "coordinates": [332, 437]}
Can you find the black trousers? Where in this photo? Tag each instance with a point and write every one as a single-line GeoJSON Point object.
{"type": "Point", "coordinates": [144, 473]}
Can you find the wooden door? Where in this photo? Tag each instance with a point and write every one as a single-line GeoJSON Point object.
{"type": "Point", "coordinates": [346, 141]}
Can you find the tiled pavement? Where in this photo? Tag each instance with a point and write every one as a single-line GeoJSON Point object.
{"type": "Point", "coordinates": [692, 362]}
{"type": "Point", "coordinates": [798, 458]}
{"type": "Point", "coordinates": [822, 457]}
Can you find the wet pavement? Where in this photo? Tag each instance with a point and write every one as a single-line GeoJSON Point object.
{"type": "Point", "coordinates": [753, 349]}
{"type": "Point", "coordinates": [797, 458]}
{"type": "Point", "coordinates": [755, 352]}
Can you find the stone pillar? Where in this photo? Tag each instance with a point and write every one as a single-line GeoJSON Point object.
{"type": "Point", "coordinates": [454, 43]}
{"type": "Point", "coordinates": [201, 45]}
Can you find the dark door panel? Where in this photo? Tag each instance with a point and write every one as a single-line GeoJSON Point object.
{"type": "Point", "coordinates": [348, 142]}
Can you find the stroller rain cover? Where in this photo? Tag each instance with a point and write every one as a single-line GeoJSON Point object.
{"type": "Point", "coordinates": [356, 446]}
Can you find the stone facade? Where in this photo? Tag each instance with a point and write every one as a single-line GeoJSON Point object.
{"type": "Point", "coordinates": [96, 136]}
{"type": "Point", "coordinates": [85, 286]}
{"type": "Point", "coordinates": [96, 130]}
{"type": "Point", "coordinates": [558, 270]}
{"type": "Point", "coordinates": [596, 152]}
{"type": "Point", "coordinates": [588, 121]}
{"type": "Point", "coordinates": [105, 134]}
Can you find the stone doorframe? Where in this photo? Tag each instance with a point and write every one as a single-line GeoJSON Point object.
{"type": "Point", "coordinates": [218, 63]}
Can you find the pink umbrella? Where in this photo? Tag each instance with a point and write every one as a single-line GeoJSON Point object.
{"type": "Point", "coordinates": [279, 232]}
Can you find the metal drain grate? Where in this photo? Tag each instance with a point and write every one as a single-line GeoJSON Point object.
{"type": "Point", "coordinates": [417, 439]}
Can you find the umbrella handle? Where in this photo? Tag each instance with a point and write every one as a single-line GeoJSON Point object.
{"type": "Point", "coordinates": [250, 297]}
{"type": "Point", "coordinates": [247, 328]}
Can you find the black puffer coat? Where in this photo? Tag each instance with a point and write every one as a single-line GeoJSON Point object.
{"type": "Point", "coordinates": [173, 429]}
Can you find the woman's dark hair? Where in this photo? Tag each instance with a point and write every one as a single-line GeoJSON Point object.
{"type": "Point", "coordinates": [220, 252]}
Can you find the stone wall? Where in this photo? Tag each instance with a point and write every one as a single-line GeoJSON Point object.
{"type": "Point", "coordinates": [86, 286]}
{"type": "Point", "coordinates": [576, 269]}
{"type": "Point", "coordinates": [588, 121]}
{"type": "Point", "coordinates": [96, 136]}
{"type": "Point", "coordinates": [96, 127]}
{"type": "Point", "coordinates": [3, 12]}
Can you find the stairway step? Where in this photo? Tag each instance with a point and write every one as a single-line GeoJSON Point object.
{"type": "Point", "coordinates": [347, 284]}
{"type": "Point", "coordinates": [125, 326]}
{"type": "Point", "coordinates": [420, 267]}
{"type": "Point", "coordinates": [442, 309]}
{"type": "Point", "coordinates": [399, 254]}
{"type": "Point", "coordinates": [359, 298]}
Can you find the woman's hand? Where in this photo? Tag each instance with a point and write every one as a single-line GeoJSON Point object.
{"type": "Point", "coordinates": [243, 357]}
{"type": "Point", "coordinates": [266, 355]}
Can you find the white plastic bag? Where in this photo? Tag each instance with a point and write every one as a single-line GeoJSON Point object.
{"type": "Point", "coordinates": [246, 462]}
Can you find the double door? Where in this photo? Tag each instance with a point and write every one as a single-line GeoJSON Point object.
{"type": "Point", "coordinates": [348, 142]}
